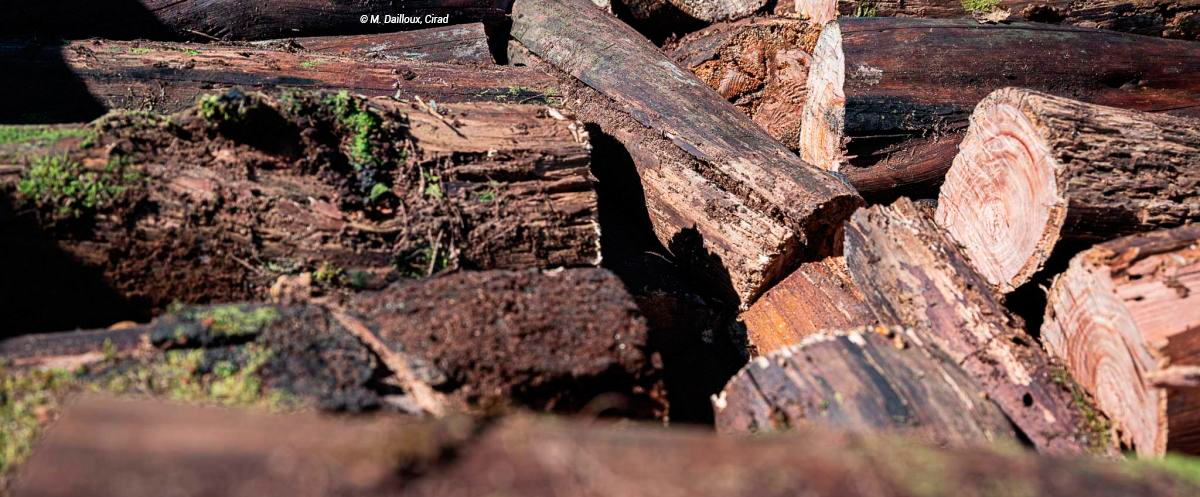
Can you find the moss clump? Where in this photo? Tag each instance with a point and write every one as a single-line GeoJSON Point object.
{"type": "Point", "coordinates": [221, 109]}
{"type": "Point", "coordinates": [139, 51]}
{"type": "Point", "coordinates": [866, 9]}
{"type": "Point", "coordinates": [233, 320]}
{"type": "Point", "coordinates": [362, 124]}
{"type": "Point", "coordinates": [309, 64]}
{"type": "Point", "coordinates": [979, 6]}
{"type": "Point", "coordinates": [220, 376]}
{"type": "Point", "coordinates": [43, 135]}
{"type": "Point", "coordinates": [70, 189]}
{"type": "Point", "coordinates": [27, 401]}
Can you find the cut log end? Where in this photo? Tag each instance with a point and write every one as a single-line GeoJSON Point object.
{"type": "Point", "coordinates": [821, 127]}
{"type": "Point", "coordinates": [818, 11]}
{"type": "Point", "coordinates": [1000, 200]}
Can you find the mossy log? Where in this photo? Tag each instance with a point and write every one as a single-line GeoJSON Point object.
{"type": "Point", "coordinates": [889, 98]}
{"type": "Point", "coordinates": [1037, 174]}
{"type": "Point", "coordinates": [750, 206]}
{"type": "Point", "coordinates": [913, 275]}
{"type": "Point", "coordinates": [872, 379]}
{"type": "Point", "coordinates": [126, 215]}
{"type": "Point", "coordinates": [132, 449]}
{"type": "Point", "coordinates": [78, 81]}
{"type": "Point", "coordinates": [1166, 18]}
{"type": "Point", "coordinates": [1125, 318]}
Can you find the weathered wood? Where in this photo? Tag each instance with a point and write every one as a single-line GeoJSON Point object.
{"type": "Point", "coordinates": [912, 275]}
{"type": "Point", "coordinates": [234, 19]}
{"type": "Point", "coordinates": [454, 44]}
{"type": "Point", "coordinates": [1166, 18]}
{"type": "Point", "coordinates": [751, 174]}
{"type": "Point", "coordinates": [817, 296]}
{"type": "Point", "coordinates": [1035, 171]}
{"type": "Point", "coordinates": [889, 98]}
{"type": "Point", "coordinates": [217, 202]}
{"type": "Point", "coordinates": [133, 449]}
{"type": "Point", "coordinates": [1125, 317]}
{"type": "Point", "coordinates": [711, 10]}
{"type": "Point", "coordinates": [78, 81]}
{"type": "Point", "coordinates": [760, 65]}
{"type": "Point", "coordinates": [872, 379]}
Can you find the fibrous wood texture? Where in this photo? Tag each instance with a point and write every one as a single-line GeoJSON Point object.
{"type": "Point", "coordinates": [816, 296]}
{"type": "Point", "coordinates": [1036, 170]}
{"type": "Point", "coordinates": [704, 10]}
{"type": "Point", "coordinates": [135, 449]}
{"type": "Point", "coordinates": [1125, 318]}
{"type": "Point", "coordinates": [913, 275]}
{"type": "Point", "coordinates": [1167, 18]}
{"type": "Point", "coordinates": [872, 379]}
{"type": "Point", "coordinates": [455, 44]}
{"type": "Point", "coordinates": [218, 201]}
{"type": "Point", "coordinates": [889, 98]}
{"type": "Point", "coordinates": [750, 173]}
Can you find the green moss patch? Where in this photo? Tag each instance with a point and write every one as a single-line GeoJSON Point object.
{"type": "Point", "coordinates": [27, 401]}
{"type": "Point", "coordinates": [979, 6]}
{"type": "Point", "coordinates": [42, 135]}
{"type": "Point", "coordinates": [64, 185]}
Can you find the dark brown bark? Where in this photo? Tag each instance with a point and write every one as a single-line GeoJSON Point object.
{"type": "Point", "coordinates": [817, 296]}
{"type": "Point", "coordinates": [912, 275]}
{"type": "Point", "coordinates": [1125, 318]}
{"type": "Point", "coordinates": [704, 10]}
{"type": "Point", "coordinates": [1036, 172]}
{"type": "Point", "coordinates": [455, 44]}
{"type": "Point", "coordinates": [872, 379]}
{"type": "Point", "coordinates": [889, 98]}
{"type": "Point", "coordinates": [217, 202]}
{"type": "Point", "coordinates": [134, 449]}
{"type": "Point", "coordinates": [78, 81]}
{"type": "Point", "coordinates": [1166, 18]}
{"type": "Point", "coordinates": [750, 173]}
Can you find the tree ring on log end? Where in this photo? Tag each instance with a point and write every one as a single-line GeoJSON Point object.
{"type": "Point", "coordinates": [821, 128]}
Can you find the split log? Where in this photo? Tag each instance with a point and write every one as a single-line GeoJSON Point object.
{"type": "Point", "coordinates": [873, 379]}
{"type": "Point", "coordinates": [731, 173]}
{"type": "Point", "coordinates": [1035, 171]}
{"type": "Point", "coordinates": [135, 449]}
{"type": "Point", "coordinates": [1124, 317]}
{"type": "Point", "coordinates": [871, 113]}
{"type": "Point", "coordinates": [912, 275]}
{"type": "Point", "coordinates": [78, 81]}
{"type": "Point", "coordinates": [234, 19]}
{"type": "Point", "coordinates": [1170, 18]}
{"type": "Point", "coordinates": [218, 201]}
{"type": "Point", "coordinates": [817, 296]}
{"type": "Point", "coordinates": [760, 65]}
{"type": "Point", "coordinates": [455, 44]}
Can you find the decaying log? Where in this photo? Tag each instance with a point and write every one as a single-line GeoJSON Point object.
{"type": "Point", "coordinates": [454, 44]}
{"type": "Point", "coordinates": [1167, 18]}
{"type": "Point", "coordinates": [218, 201]}
{"type": "Point", "coordinates": [731, 171]}
{"type": "Point", "coordinates": [912, 275]}
{"type": "Point", "coordinates": [1036, 170]}
{"type": "Point", "coordinates": [1125, 317]}
{"type": "Point", "coordinates": [235, 19]}
{"type": "Point", "coordinates": [816, 296]}
{"type": "Point", "coordinates": [704, 10]}
{"type": "Point", "coordinates": [135, 449]}
{"type": "Point", "coordinates": [889, 98]}
{"type": "Point", "coordinates": [78, 81]}
{"type": "Point", "coordinates": [760, 65]}
{"type": "Point", "coordinates": [872, 379]}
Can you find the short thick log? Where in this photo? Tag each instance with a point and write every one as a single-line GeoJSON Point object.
{"type": "Point", "coordinates": [817, 296]}
{"type": "Point", "coordinates": [873, 379]}
{"type": "Point", "coordinates": [1036, 171]}
{"type": "Point", "coordinates": [912, 275]}
{"type": "Point", "coordinates": [751, 174]}
{"type": "Point", "coordinates": [889, 98]}
{"type": "Point", "coordinates": [1125, 318]}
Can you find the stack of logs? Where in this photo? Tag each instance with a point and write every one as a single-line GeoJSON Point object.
{"type": "Point", "coordinates": [960, 222]}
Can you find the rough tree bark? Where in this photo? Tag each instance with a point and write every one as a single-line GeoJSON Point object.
{"type": "Point", "coordinates": [817, 296]}
{"type": "Point", "coordinates": [912, 275]}
{"type": "Point", "coordinates": [1035, 171]}
{"type": "Point", "coordinates": [218, 201]}
{"type": "Point", "coordinates": [889, 98]}
{"type": "Point", "coordinates": [1166, 18]}
{"type": "Point", "coordinates": [872, 379]}
{"type": "Point", "coordinates": [134, 449]}
{"type": "Point", "coordinates": [1125, 318]}
{"type": "Point", "coordinates": [751, 174]}
{"type": "Point", "coordinates": [455, 44]}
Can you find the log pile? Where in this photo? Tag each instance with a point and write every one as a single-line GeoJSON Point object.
{"type": "Point", "coordinates": [640, 211]}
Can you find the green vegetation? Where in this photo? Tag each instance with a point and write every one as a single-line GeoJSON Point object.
{"type": "Point", "coordinates": [487, 196]}
{"type": "Point", "coordinates": [197, 376]}
{"type": "Point", "coordinates": [433, 185]}
{"type": "Point", "coordinates": [139, 51]}
{"type": "Point", "coordinates": [362, 124]}
{"type": "Point", "coordinates": [377, 191]}
{"type": "Point", "coordinates": [233, 320]}
{"type": "Point", "coordinates": [328, 273]}
{"type": "Point", "coordinates": [866, 8]}
{"type": "Point", "coordinates": [69, 187]}
{"type": "Point", "coordinates": [1095, 423]}
{"type": "Point", "coordinates": [191, 51]}
{"type": "Point", "coordinates": [309, 64]}
{"type": "Point", "coordinates": [43, 135]}
{"type": "Point", "coordinates": [215, 109]}
{"type": "Point", "coordinates": [27, 400]}
{"type": "Point", "coordinates": [979, 6]}
{"type": "Point", "coordinates": [1178, 465]}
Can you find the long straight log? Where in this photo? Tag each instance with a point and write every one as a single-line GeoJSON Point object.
{"type": "Point", "coordinates": [78, 81]}
{"type": "Point", "coordinates": [1036, 171]}
{"type": "Point", "coordinates": [1169, 19]}
{"type": "Point", "coordinates": [889, 98]}
{"type": "Point", "coordinates": [133, 449]}
{"type": "Point", "coordinates": [912, 275]}
{"type": "Point", "coordinates": [750, 173]}
{"type": "Point", "coordinates": [218, 201]}
{"type": "Point", "coordinates": [872, 379]}
{"type": "Point", "coordinates": [1125, 318]}
{"type": "Point", "coordinates": [455, 44]}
